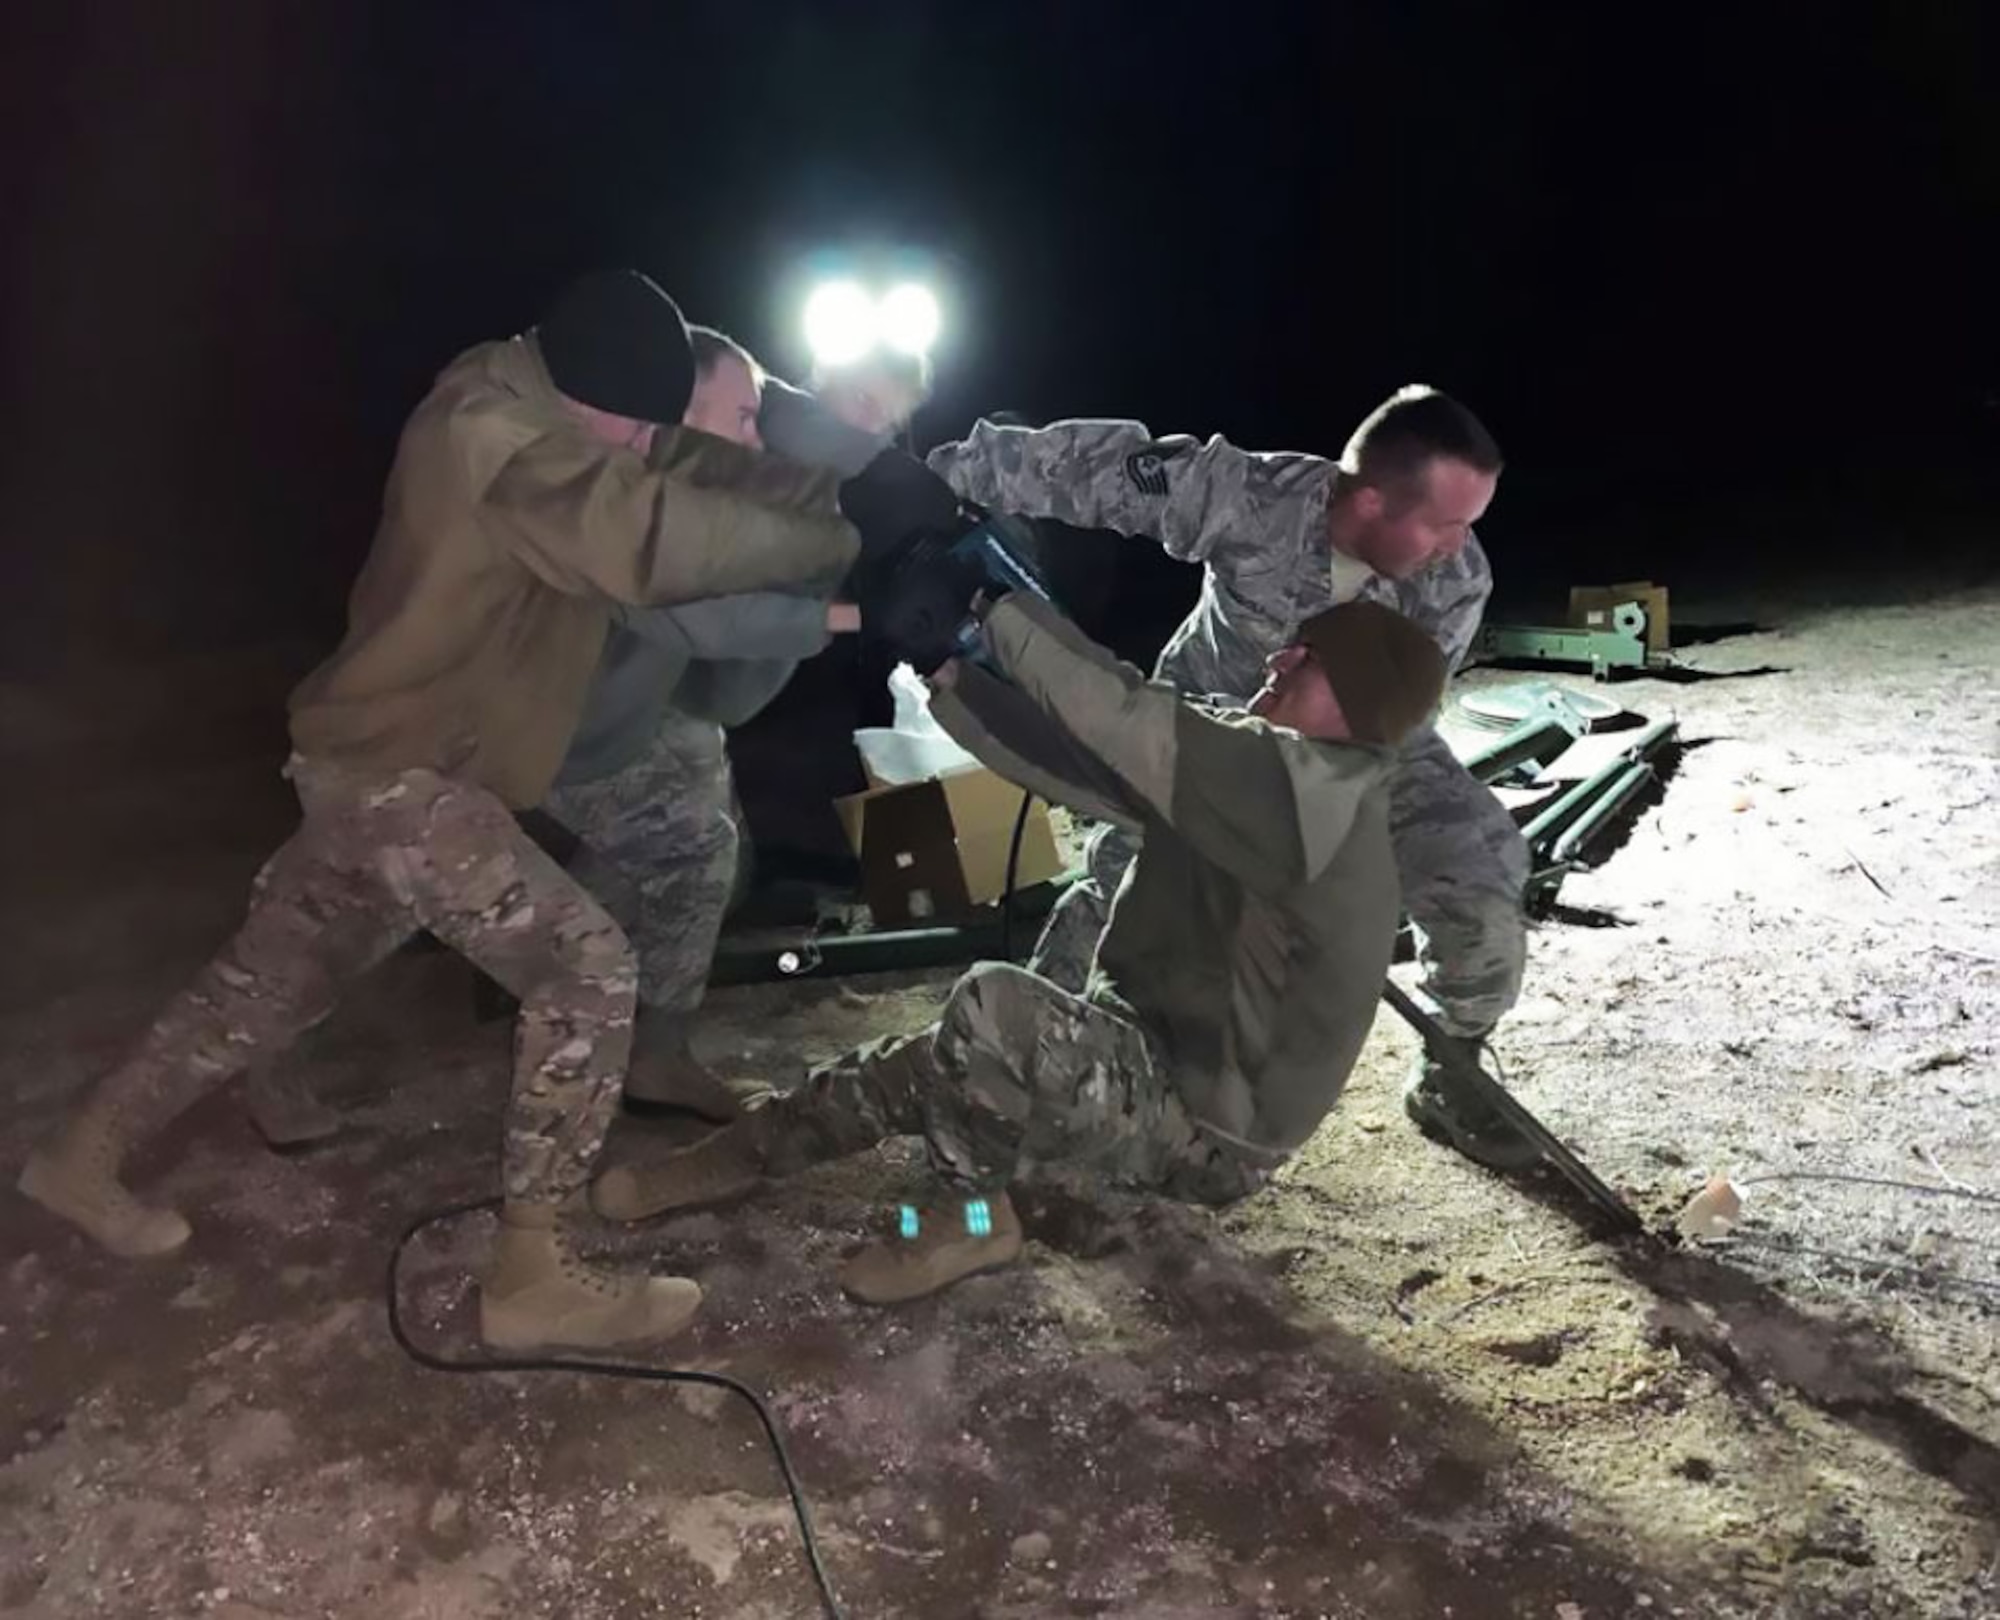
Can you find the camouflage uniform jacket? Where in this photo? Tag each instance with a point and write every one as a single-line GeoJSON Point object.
{"type": "Point", "coordinates": [476, 623]}
{"type": "Point", "coordinates": [1255, 521]}
{"type": "Point", "coordinates": [1252, 934]}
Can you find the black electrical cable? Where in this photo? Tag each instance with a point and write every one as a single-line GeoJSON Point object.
{"type": "Point", "coordinates": [1013, 870]}
{"type": "Point", "coordinates": [605, 1369]}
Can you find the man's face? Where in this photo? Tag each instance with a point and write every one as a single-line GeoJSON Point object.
{"type": "Point", "coordinates": [1296, 694]}
{"type": "Point", "coordinates": [725, 403]}
{"type": "Point", "coordinates": [1401, 533]}
{"type": "Point", "coordinates": [869, 401]}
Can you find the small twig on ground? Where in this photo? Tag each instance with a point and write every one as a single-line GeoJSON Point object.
{"type": "Point", "coordinates": [1940, 1171]}
{"type": "Point", "coordinates": [1870, 876]}
{"type": "Point", "coordinates": [1513, 1285]}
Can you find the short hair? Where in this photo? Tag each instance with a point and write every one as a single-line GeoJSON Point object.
{"type": "Point", "coordinates": [710, 348]}
{"type": "Point", "coordinates": [1396, 442]}
{"type": "Point", "coordinates": [911, 371]}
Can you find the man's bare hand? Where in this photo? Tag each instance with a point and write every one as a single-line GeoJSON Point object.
{"type": "Point", "coordinates": [945, 676]}
{"type": "Point", "coordinates": [842, 618]}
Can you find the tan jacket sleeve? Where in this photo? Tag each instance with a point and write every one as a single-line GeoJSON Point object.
{"type": "Point", "coordinates": [1265, 804]}
{"type": "Point", "coordinates": [1009, 733]}
{"type": "Point", "coordinates": [1123, 720]}
{"type": "Point", "coordinates": [674, 527]}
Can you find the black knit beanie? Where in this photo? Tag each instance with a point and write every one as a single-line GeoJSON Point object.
{"type": "Point", "coordinates": [1387, 674]}
{"type": "Point", "coordinates": [614, 340]}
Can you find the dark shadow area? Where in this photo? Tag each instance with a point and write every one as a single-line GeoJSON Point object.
{"type": "Point", "coordinates": [1613, 834]}
{"type": "Point", "coordinates": [1545, 884]}
{"type": "Point", "coordinates": [1749, 1335]}
{"type": "Point", "coordinates": [1703, 635]}
{"type": "Point", "coordinates": [1681, 675]}
{"type": "Point", "coordinates": [1551, 666]}
{"type": "Point", "coordinates": [1582, 917]}
{"type": "Point", "coordinates": [1202, 1437]}
{"type": "Point", "coordinates": [1676, 674]}
{"type": "Point", "coordinates": [1616, 833]}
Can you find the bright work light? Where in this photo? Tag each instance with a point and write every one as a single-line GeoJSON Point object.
{"type": "Point", "coordinates": [844, 321]}
{"type": "Point", "coordinates": [841, 323]}
{"type": "Point", "coordinates": [908, 318]}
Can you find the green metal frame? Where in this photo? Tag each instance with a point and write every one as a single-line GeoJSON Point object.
{"type": "Point", "coordinates": [1547, 823]}
{"type": "Point", "coordinates": [1602, 650]}
{"type": "Point", "coordinates": [1540, 738]}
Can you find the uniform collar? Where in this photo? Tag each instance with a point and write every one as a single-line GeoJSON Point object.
{"type": "Point", "coordinates": [1349, 575]}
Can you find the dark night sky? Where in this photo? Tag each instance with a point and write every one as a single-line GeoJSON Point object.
{"type": "Point", "coordinates": [1720, 286]}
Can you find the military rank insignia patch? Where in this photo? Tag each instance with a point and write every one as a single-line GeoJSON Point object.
{"type": "Point", "coordinates": [1147, 469]}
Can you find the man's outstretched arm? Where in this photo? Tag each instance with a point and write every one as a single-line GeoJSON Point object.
{"type": "Point", "coordinates": [698, 518]}
{"type": "Point", "coordinates": [1204, 502]}
{"type": "Point", "coordinates": [1013, 736]}
{"type": "Point", "coordinates": [1231, 787]}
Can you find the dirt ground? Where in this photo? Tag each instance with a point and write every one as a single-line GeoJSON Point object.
{"type": "Point", "coordinates": [1391, 1385]}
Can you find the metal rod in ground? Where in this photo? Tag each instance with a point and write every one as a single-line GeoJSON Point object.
{"type": "Point", "coordinates": [1572, 803]}
{"type": "Point", "coordinates": [1591, 822]}
{"type": "Point", "coordinates": [1503, 1102]}
{"type": "Point", "coordinates": [1534, 736]}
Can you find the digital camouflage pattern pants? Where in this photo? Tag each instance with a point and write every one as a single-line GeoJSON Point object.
{"type": "Point", "coordinates": [375, 860]}
{"type": "Point", "coordinates": [1463, 867]}
{"type": "Point", "coordinates": [660, 850]}
{"type": "Point", "coordinates": [1018, 1075]}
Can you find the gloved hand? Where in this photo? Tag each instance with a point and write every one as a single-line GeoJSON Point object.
{"type": "Point", "coordinates": [924, 601]}
{"type": "Point", "coordinates": [894, 499]}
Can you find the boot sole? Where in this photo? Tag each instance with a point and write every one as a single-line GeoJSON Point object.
{"type": "Point", "coordinates": [522, 1338]}
{"type": "Point", "coordinates": [883, 1302]}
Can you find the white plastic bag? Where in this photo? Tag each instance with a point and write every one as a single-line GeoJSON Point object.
{"type": "Point", "coordinates": [915, 746]}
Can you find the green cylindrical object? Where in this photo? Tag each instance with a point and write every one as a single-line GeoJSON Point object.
{"type": "Point", "coordinates": [1579, 798]}
{"type": "Point", "coordinates": [1528, 740]}
{"type": "Point", "coordinates": [1586, 826]}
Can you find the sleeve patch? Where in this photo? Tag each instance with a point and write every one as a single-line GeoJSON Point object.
{"type": "Point", "coordinates": [1147, 468]}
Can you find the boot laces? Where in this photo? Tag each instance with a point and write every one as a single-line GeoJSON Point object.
{"type": "Point", "coordinates": [586, 1274]}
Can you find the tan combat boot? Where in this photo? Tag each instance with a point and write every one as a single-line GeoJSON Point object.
{"type": "Point", "coordinates": [939, 1246]}
{"type": "Point", "coordinates": [538, 1294]}
{"type": "Point", "coordinates": [666, 1075]}
{"type": "Point", "coordinates": [76, 1176]}
{"type": "Point", "coordinates": [284, 1110]}
{"type": "Point", "coordinates": [717, 1168]}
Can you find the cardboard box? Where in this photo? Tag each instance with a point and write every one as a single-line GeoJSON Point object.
{"type": "Point", "coordinates": [1590, 609]}
{"type": "Point", "coordinates": [935, 849]}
